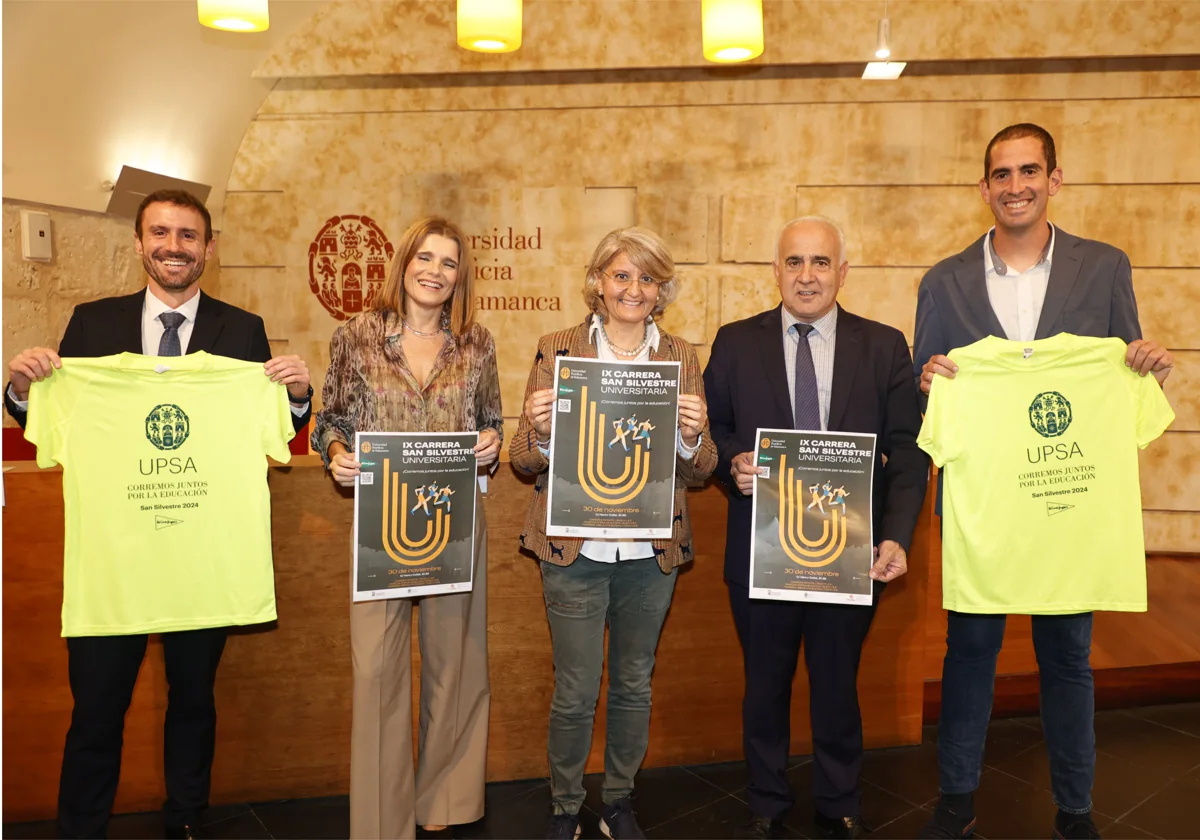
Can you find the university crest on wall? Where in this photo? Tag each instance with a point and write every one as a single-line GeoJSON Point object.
{"type": "Point", "coordinates": [347, 264]}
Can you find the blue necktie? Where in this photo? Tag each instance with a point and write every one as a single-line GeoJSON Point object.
{"type": "Point", "coordinates": [808, 402]}
{"type": "Point", "coordinates": [169, 345]}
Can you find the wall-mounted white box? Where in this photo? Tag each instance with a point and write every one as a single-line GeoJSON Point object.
{"type": "Point", "coordinates": [36, 244]}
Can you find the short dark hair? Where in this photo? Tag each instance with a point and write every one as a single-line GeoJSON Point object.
{"type": "Point", "coordinates": [1017, 132]}
{"type": "Point", "coordinates": [180, 198]}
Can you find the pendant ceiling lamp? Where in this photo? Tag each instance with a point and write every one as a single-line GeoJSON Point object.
{"type": "Point", "coordinates": [492, 26]}
{"type": "Point", "coordinates": [733, 30]}
{"type": "Point", "coordinates": [234, 15]}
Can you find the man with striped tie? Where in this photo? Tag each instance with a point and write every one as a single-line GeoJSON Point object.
{"type": "Point", "coordinates": [170, 317]}
{"type": "Point", "coordinates": [809, 364]}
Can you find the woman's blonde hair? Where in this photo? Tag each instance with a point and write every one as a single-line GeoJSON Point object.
{"type": "Point", "coordinates": [646, 250]}
{"type": "Point", "coordinates": [458, 312]}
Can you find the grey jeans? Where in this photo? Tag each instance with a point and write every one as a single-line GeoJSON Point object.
{"type": "Point", "coordinates": [632, 596]}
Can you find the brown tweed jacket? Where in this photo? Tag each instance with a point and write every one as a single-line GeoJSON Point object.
{"type": "Point", "coordinates": [526, 457]}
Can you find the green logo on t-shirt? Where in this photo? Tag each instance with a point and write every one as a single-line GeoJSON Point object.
{"type": "Point", "coordinates": [167, 426]}
{"type": "Point", "coordinates": [1050, 414]}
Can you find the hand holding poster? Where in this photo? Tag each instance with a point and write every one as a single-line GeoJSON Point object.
{"type": "Point", "coordinates": [414, 514]}
{"type": "Point", "coordinates": [812, 538]}
{"type": "Point", "coordinates": [612, 449]}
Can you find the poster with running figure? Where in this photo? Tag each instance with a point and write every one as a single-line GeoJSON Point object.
{"type": "Point", "coordinates": [414, 514]}
{"type": "Point", "coordinates": [813, 535]}
{"type": "Point", "coordinates": [612, 449]}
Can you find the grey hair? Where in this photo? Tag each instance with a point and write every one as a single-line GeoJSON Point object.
{"type": "Point", "coordinates": [825, 220]}
{"type": "Point", "coordinates": [646, 250]}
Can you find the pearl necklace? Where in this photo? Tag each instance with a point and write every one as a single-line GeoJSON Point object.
{"type": "Point", "coordinates": [415, 331]}
{"type": "Point", "coordinates": [621, 351]}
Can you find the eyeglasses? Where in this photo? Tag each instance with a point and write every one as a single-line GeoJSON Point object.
{"type": "Point", "coordinates": [624, 278]}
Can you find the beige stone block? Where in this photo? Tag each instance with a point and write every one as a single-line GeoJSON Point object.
{"type": "Point", "coordinates": [1183, 391]}
{"type": "Point", "coordinates": [375, 37]}
{"type": "Point", "coordinates": [680, 218]}
{"type": "Point", "coordinates": [1168, 302]}
{"type": "Point", "coordinates": [1155, 224]}
{"type": "Point", "coordinates": [687, 317]}
{"type": "Point", "coordinates": [517, 319]}
{"type": "Point", "coordinates": [1170, 472]}
{"type": "Point", "coordinates": [258, 226]}
{"type": "Point", "coordinates": [750, 224]}
{"type": "Point", "coordinates": [745, 291]}
{"type": "Point", "coordinates": [606, 209]}
{"type": "Point", "coordinates": [1172, 531]}
{"type": "Point", "coordinates": [888, 295]}
{"type": "Point", "coordinates": [920, 225]}
{"type": "Point", "coordinates": [1100, 85]}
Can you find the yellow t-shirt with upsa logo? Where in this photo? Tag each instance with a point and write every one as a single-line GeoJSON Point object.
{"type": "Point", "coordinates": [1041, 504]}
{"type": "Point", "coordinates": [166, 507]}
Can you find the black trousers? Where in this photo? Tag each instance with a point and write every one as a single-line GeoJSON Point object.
{"type": "Point", "coordinates": [771, 633]}
{"type": "Point", "coordinates": [103, 670]}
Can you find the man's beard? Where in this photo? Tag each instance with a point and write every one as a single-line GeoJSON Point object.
{"type": "Point", "coordinates": [168, 282]}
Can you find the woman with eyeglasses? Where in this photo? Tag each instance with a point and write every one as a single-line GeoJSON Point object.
{"type": "Point", "coordinates": [626, 583]}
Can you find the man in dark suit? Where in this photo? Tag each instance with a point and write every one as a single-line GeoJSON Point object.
{"type": "Point", "coordinates": [1024, 280]}
{"type": "Point", "coordinates": [809, 364]}
{"type": "Point", "coordinates": [173, 236]}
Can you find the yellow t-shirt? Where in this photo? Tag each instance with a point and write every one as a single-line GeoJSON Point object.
{"type": "Point", "coordinates": [167, 511]}
{"type": "Point", "coordinates": [1041, 505]}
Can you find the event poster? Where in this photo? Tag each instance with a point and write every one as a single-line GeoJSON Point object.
{"type": "Point", "coordinates": [414, 514]}
{"type": "Point", "coordinates": [812, 538]}
{"type": "Point", "coordinates": [612, 449]}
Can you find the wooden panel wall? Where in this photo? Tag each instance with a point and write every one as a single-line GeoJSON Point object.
{"type": "Point", "coordinates": [283, 694]}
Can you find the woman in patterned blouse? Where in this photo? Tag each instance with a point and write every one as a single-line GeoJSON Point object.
{"type": "Point", "coordinates": [417, 362]}
{"type": "Point", "coordinates": [629, 583]}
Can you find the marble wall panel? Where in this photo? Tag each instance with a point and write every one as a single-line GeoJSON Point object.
{"type": "Point", "coordinates": [1183, 391]}
{"type": "Point", "coordinates": [1173, 531]}
{"type": "Point", "coordinates": [1167, 300]}
{"type": "Point", "coordinates": [1036, 85]}
{"type": "Point", "coordinates": [375, 37]}
{"type": "Point", "coordinates": [258, 225]}
{"type": "Point", "coordinates": [750, 224]}
{"type": "Point", "coordinates": [1170, 472]}
{"type": "Point", "coordinates": [681, 218]}
{"type": "Point", "coordinates": [1153, 224]}
{"type": "Point", "coordinates": [687, 317]}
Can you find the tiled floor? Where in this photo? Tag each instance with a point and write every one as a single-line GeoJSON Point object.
{"type": "Point", "coordinates": [1147, 785]}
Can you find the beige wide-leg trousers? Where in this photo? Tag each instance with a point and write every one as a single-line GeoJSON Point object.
{"type": "Point", "coordinates": [387, 799]}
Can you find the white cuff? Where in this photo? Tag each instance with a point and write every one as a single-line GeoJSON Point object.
{"type": "Point", "coordinates": [21, 404]}
{"type": "Point", "coordinates": [686, 452]}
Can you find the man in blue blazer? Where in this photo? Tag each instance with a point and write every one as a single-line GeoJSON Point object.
{"type": "Point", "coordinates": [1025, 279]}
{"type": "Point", "coordinates": [809, 364]}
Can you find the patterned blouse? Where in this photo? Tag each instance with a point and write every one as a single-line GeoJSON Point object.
{"type": "Point", "coordinates": [370, 388]}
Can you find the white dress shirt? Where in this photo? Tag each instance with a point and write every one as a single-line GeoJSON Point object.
{"type": "Point", "coordinates": [152, 325]}
{"type": "Point", "coordinates": [822, 341]}
{"type": "Point", "coordinates": [1017, 296]}
{"type": "Point", "coordinates": [610, 551]}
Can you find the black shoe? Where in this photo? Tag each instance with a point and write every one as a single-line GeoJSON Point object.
{"type": "Point", "coordinates": [952, 819]}
{"type": "Point", "coordinates": [761, 828]}
{"type": "Point", "coordinates": [563, 827]}
{"type": "Point", "coordinates": [1071, 826]}
{"type": "Point", "coordinates": [447, 833]}
{"type": "Point", "coordinates": [180, 832]}
{"type": "Point", "coordinates": [851, 827]}
{"type": "Point", "coordinates": [617, 821]}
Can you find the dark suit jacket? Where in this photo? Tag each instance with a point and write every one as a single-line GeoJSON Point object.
{"type": "Point", "coordinates": [873, 392]}
{"type": "Point", "coordinates": [114, 325]}
{"type": "Point", "coordinates": [1090, 293]}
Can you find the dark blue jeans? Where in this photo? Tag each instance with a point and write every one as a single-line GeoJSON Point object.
{"type": "Point", "coordinates": [1063, 644]}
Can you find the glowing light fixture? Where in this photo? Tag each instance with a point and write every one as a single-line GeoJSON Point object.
{"type": "Point", "coordinates": [884, 70]}
{"type": "Point", "coordinates": [882, 50]}
{"type": "Point", "coordinates": [732, 30]}
{"type": "Point", "coordinates": [234, 15]}
{"type": "Point", "coordinates": [492, 26]}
